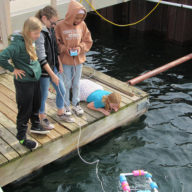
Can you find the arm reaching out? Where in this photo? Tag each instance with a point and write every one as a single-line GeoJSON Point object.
{"type": "Point", "coordinates": [102, 110]}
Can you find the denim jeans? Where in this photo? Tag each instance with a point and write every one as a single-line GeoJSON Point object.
{"type": "Point", "coordinates": [72, 76]}
{"type": "Point", "coordinates": [44, 84]}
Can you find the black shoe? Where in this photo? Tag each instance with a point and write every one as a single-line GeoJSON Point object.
{"type": "Point", "coordinates": [38, 128]}
{"type": "Point", "coordinates": [29, 143]}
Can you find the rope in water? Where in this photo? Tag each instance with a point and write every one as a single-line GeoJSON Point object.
{"type": "Point", "coordinates": [79, 137]}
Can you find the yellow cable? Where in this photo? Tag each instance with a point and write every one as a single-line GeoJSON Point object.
{"type": "Point", "coordinates": [126, 25]}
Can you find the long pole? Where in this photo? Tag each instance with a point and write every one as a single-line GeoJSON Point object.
{"type": "Point", "coordinates": [172, 4]}
{"type": "Point", "coordinates": [160, 69]}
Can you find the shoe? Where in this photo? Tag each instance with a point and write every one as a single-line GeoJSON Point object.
{"type": "Point", "coordinates": [66, 118]}
{"type": "Point", "coordinates": [67, 111]}
{"type": "Point", "coordinates": [78, 110]}
{"type": "Point", "coordinates": [38, 128]}
{"type": "Point", "coordinates": [29, 143]}
{"type": "Point", "coordinates": [46, 124]}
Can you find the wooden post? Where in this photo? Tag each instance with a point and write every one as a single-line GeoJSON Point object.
{"type": "Point", "coordinates": [5, 23]}
{"type": "Point", "coordinates": [54, 3]}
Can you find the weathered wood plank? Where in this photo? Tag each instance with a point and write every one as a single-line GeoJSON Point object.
{"type": "Point", "coordinates": [3, 160]}
{"type": "Point", "coordinates": [12, 116]}
{"type": "Point", "coordinates": [10, 126]}
{"type": "Point", "coordinates": [52, 113]}
{"type": "Point", "coordinates": [59, 128]}
{"type": "Point", "coordinates": [8, 92]}
{"type": "Point", "coordinates": [12, 105]}
{"type": "Point", "coordinates": [7, 151]}
{"type": "Point", "coordinates": [7, 112]}
{"type": "Point", "coordinates": [93, 113]}
{"type": "Point", "coordinates": [67, 144]}
{"type": "Point", "coordinates": [10, 139]}
{"type": "Point", "coordinates": [78, 120]}
{"type": "Point", "coordinates": [132, 92]}
{"type": "Point", "coordinates": [86, 117]}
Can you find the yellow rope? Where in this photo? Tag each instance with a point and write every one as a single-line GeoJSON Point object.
{"type": "Point", "coordinates": [126, 25]}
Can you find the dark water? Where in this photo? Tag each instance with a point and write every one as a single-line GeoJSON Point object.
{"type": "Point", "coordinates": [160, 142]}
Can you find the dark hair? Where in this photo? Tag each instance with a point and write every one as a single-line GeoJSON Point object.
{"type": "Point", "coordinates": [47, 11]}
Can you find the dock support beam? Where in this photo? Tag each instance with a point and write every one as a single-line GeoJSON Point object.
{"type": "Point", "coordinates": [54, 3]}
{"type": "Point", "coordinates": [5, 23]}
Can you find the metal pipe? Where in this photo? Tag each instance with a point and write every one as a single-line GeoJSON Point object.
{"type": "Point", "coordinates": [172, 4]}
{"type": "Point", "coordinates": [160, 69]}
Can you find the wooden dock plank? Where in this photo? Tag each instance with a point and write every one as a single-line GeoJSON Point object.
{"type": "Point", "coordinates": [7, 151]}
{"type": "Point", "coordinates": [59, 128]}
{"type": "Point", "coordinates": [12, 116]}
{"type": "Point", "coordinates": [10, 139]}
{"type": "Point", "coordinates": [12, 105]}
{"type": "Point", "coordinates": [65, 145]}
{"type": "Point", "coordinates": [9, 93]}
{"type": "Point", "coordinates": [95, 114]}
{"type": "Point", "coordinates": [10, 126]}
{"type": "Point", "coordinates": [3, 160]}
{"type": "Point", "coordinates": [86, 117]}
{"type": "Point", "coordinates": [51, 113]}
{"type": "Point", "coordinates": [132, 92]}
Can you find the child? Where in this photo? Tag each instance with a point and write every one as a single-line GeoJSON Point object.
{"type": "Point", "coordinates": [73, 36]}
{"type": "Point", "coordinates": [27, 72]}
{"type": "Point", "coordinates": [52, 68]}
{"type": "Point", "coordinates": [99, 99]}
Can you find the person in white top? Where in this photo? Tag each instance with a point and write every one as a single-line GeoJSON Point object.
{"type": "Point", "coordinates": [99, 99]}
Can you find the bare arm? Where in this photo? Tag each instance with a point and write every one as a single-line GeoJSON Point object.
{"type": "Point", "coordinates": [102, 110]}
{"type": "Point", "coordinates": [60, 65]}
{"type": "Point", "coordinates": [53, 76]}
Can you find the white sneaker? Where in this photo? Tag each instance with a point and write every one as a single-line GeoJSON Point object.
{"type": "Point", "coordinates": [46, 124]}
{"type": "Point", "coordinates": [67, 111]}
{"type": "Point", "coordinates": [78, 110]}
{"type": "Point", "coordinates": [66, 118]}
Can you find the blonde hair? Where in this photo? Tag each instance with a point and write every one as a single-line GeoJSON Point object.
{"type": "Point", "coordinates": [47, 11]}
{"type": "Point", "coordinates": [31, 24]}
{"type": "Point", "coordinates": [112, 98]}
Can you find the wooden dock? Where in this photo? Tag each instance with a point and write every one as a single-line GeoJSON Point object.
{"type": "Point", "coordinates": [16, 161]}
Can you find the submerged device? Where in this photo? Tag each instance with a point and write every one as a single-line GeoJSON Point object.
{"type": "Point", "coordinates": [73, 52]}
{"type": "Point", "coordinates": [125, 185]}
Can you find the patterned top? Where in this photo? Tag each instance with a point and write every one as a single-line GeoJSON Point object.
{"type": "Point", "coordinates": [87, 87]}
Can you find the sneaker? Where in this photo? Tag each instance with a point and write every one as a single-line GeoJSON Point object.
{"type": "Point", "coordinates": [78, 110]}
{"type": "Point", "coordinates": [67, 111]}
{"type": "Point", "coordinates": [46, 124]}
{"type": "Point", "coordinates": [38, 128]}
{"type": "Point", "coordinates": [66, 118]}
{"type": "Point", "coordinates": [29, 143]}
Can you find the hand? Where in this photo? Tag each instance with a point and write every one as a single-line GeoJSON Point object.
{"type": "Point", "coordinates": [60, 69]}
{"type": "Point", "coordinates": [18, 72]}
{"type": "Point", "coordinates": [106, 113]}
{"type": "Point", "coordinates": [55, 79]}
{"type": "Point", "coordinates": [78, 50]}
{"type": "Point", "coordinates": [68, 52]}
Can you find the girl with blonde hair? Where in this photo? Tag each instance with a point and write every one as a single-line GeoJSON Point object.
{"type": "Point", "coordinates": [97, 98]}
{"type": "Point", "coordinates": [27, 72]}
